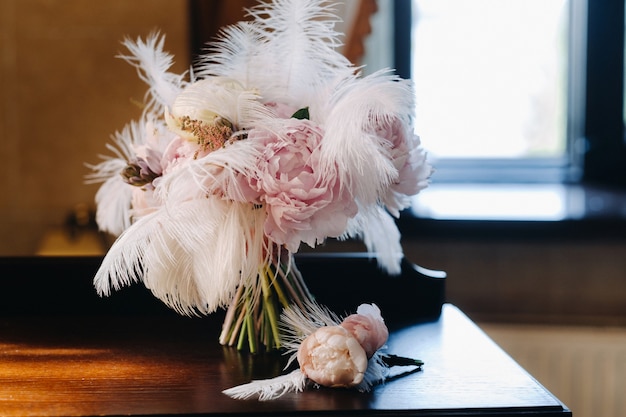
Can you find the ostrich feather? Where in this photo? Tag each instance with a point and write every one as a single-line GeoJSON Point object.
{"type": "Point", "coordinates": [113, 198]}
{"type": "Point", "coordinates": [350, 140]}
{"type": "Point", "coordinates": [303, 44]}
{"type": "Point", "coordinates": [287, 51]}
{"type": "Point", "coordinates": [192, 257]}
{"type": "Point", "coordinates": [113, 202]}
{"type": "Point", "coordinates": [269, 389]}
{"type": "Point", "coordinates": [195, 256]}
{"type": "Point", "coordinates": [238, 49]}
{"type": "Point", "coordinates": [152, 64]}
{"type": "Point", "coordinates": [298, 323]}
{"type": "Point", "coordinates": [378, 231]}
{"type": "Point", "coordinates": [216, 173]}
{"type": "Point", "coordinates": [123, 263]}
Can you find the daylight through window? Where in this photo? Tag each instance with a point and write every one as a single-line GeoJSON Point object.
{"type": "Point", "coordinates": [491, 77]}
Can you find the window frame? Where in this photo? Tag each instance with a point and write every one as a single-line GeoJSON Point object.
{"type": "Point", "coordinates": [604, 160]}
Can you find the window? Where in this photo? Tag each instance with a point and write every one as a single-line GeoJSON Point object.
{"type": "Point", "coordinates": [553, 113]}
{"type": "Point", "coordinates": [493, 81]}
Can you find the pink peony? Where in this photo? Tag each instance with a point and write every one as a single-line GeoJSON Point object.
{"type": "Point", "coordinates": [332, 357]}
{"type": "Point", "coordinates": [180, 151]}
{"type": "Point", "coordinates": [281, 110]}
{"type": "Point", "coordinates": [303, 203]}
{"type": "Point", "coordinates": [410, 161]}
{"type": "Point", "coordinates": [143, 202]}
{"type": "Point", "coordinates": [368, 327]}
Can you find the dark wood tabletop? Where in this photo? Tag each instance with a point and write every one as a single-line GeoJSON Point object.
{"type": "Point", "coordinates": [70, 365]}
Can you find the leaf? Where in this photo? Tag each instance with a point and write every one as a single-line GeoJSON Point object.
{"type": "Point", "coordinates": [301, 114]}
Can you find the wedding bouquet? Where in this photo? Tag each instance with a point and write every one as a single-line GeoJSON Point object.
{"type": "Point", "coordinates": [271, 140]}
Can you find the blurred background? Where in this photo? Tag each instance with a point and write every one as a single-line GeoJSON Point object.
{"type": "Point", "coordinates": [520, 104]}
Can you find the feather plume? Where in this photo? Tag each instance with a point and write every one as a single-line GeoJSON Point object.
{"type": "Point", "coordinates": [191, 258]}
{"type": "Point", "coordinates": [113, 202]}
{"type": "Point", "coordinates": [152, 64]}
{"type": "Point", "coordinates": [269, 389]}
{"type": "Point", "coordinates": [123, 263]}
{"type": "Point", "coordinates": [185, 266]}
{"type": "Point", "coordinates": [298, 323]}
{"type": "Point", "coordinates": [378, 231]}
{"type": "Point", "coordinates": [113, 199]}
{"type": "Point", "coordinates": [350, 141]}
{"type": "Point", "coordinates": [288, 51]}
{"type": "Point", "coordinates": [238, 49]}
{"type": "Point", "coordinates": [375, 373]}
{"type": "Point", "coordinates": [218, 96]}
{"type": "Point", "coordinates": [216, 173]}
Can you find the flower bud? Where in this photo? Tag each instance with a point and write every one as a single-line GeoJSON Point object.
{"type": "Point", "coordinates": [368, 327]}
{"type": "Point", "coordinates": [332, 357]}
{"type": "Point", "coordinates": [139, 173]}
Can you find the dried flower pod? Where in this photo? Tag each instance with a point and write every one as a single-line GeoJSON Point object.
{"type": "Point", "coordinates": [332, 357]}
{"type": "Point", "coordinates": [139, 173]}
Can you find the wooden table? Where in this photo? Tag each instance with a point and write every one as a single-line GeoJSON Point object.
{"type": "Point", "coordinates": [165, 364]}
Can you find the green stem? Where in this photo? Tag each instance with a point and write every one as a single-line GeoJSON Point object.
{"type": "Point", "coordinates": [227, 327]}
{"type": "Point", "coordinates": [268, 305]}
{"type": "Point", "coordinates": [252, 342]}
{"type": "Point", "coordinates": [276, 285]}
{"type": "Point", "coordinates": [242, 334]}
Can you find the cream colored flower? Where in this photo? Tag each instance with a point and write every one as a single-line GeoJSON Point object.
{"type": "Point", "coordinates": [205, 111]}
{"type": "Point", "coordinates": [332, 357]}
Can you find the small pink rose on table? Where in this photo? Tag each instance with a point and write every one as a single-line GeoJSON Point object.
{"type": "Point", "coordinates": [368, 328]}
{"type": "Point", "coordinates": [332, 357]}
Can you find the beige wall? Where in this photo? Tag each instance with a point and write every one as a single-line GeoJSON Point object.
{"type": "Point", "coordinates": [62, 94]}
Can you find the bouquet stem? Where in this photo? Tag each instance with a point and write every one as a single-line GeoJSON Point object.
{"type": "Point", "coordinates": [252, 318]}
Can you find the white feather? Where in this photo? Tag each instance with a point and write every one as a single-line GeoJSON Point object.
{"type": "Point", "coordinates": [218, 172]}
{"type": "Point", "coordinates": [123, 263]}
{"type": "Point", "coordinates": [380, 235]}
{"type": "Point", "coordinates": [269, 389]}
{"type": "Point", "coordinates": [302, 42]}
{"type": "Point", "coordinates": [298, 323]}
{"type": "Point", "coordinates": [113, 203]}
{"type": "Point", "coordinates": [153, 65]}
{"type": "Point", "coordinates": [238, 49]}
{"type": "Point", "coordinates": [288, 51]}
{"type": "Point", "coordinates": [113, 199]}
{"type": "Point", "coordinates": [231, 255]}
{"type": "Point", "coordinates": [375, 373]}
{"type": "Point", "coordinates": [191, 257]}
{"type": "Point", "coordinates": [350, 141]}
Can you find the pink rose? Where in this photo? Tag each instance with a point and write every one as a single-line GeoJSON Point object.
{"type": "Point", "coordinates": [303, 203]}
{"type": "Point", "coordinates": [332, 357]}
{"type": "Point", "coordinates": [368, 328]}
